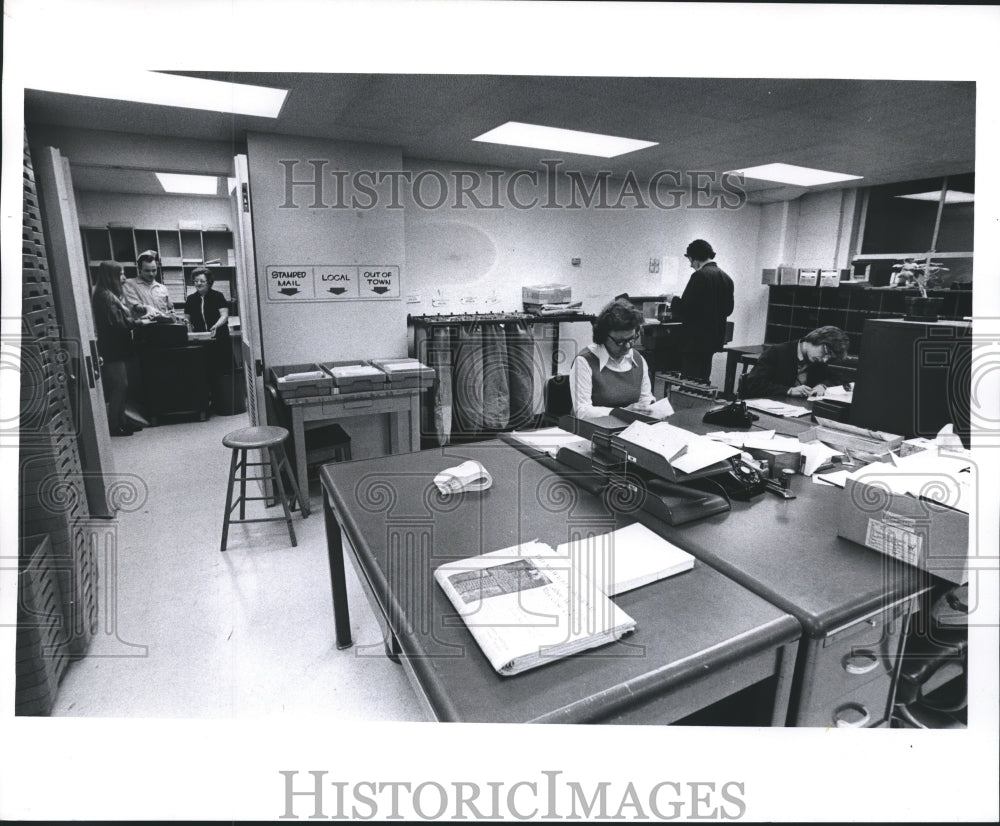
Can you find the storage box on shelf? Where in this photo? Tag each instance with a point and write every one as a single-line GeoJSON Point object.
{"type": "Point", "coordinates": [294, 381]}
{"type": "Point", "coordinates": [355, 376]}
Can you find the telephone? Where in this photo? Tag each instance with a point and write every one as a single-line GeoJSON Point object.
{"type": "Point", "coordinates": [734, 414]}
{"type": "Point", "coordinates": [741, 482]}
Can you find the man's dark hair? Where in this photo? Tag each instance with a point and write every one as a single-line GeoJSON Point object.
{"type": "Point", "coordinates": [834, 338]}
{"type": "Point", "coordinates": [618, 315]}
{"type": "Point", "coordinates": [699, 250]}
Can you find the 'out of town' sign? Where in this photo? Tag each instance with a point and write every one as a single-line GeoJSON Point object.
{"type": "Point", "coordinates": [332, 282]}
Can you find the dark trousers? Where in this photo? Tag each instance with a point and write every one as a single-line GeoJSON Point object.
{"type": "Point", "coordinates": [115, 378]}
{"type": "Point", "coordinates": [697, 365]}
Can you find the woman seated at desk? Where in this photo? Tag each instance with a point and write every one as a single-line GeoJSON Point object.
{"type": "Point", "coordinates": [796, 368]}
{"type": "Point", "coordinates": [609, 373]}
{"type": "Point", "coordinates": [206, 310]}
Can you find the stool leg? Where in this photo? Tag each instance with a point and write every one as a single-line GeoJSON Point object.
{"type": "Point", "coordinates": [229, 500]}
{"type": "Point", "coordinates": [243, 484]}
{"type": "Point", "coordinates": [276, 470]}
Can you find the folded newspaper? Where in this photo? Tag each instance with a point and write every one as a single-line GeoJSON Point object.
{"type": "Point", "coordinates": [526, 606]}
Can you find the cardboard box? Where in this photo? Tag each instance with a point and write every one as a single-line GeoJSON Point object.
{"type": "Point", "coordinates": [788, 275]}
{"type": "Point", "coordinates": [769, 275]}
{"type": "Point", "coordinates": [546, 294]}
{"type": "Point", "coordinates": [916, 531]}
{"type": "Point", "coordinates": [829, 278]}
{"type": "Point", "coordinates": [808, 278]}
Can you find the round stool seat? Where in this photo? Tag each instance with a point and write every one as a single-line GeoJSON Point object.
{"type": "Point", "coordinates": [255, 437]}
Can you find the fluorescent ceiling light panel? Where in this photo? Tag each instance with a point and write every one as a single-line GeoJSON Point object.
{"type": "Point", "coordinates": [533, 136]}
{"type": "Point", "coordinates": [162, 90]}
{"type": "Point", "coordinates": [784, 173]}
{"type": "Point", "coordinates": [188, 184]}
{"type": "Point", "coordinates": [951, 196]}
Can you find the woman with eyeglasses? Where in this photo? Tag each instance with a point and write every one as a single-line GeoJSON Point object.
{"type": "Point", "coordinates": [113, 324]}
{"type": "Point", "coordinates": [206, 310]}
{"type": "Point", "coordinates": [609, 373]}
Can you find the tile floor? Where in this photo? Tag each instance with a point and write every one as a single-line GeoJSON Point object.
{"type": "Point", "coordinates": [190, 632]}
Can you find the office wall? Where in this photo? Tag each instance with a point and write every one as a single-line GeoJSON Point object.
{"type": "Point", "coordinates": [96, 209]}
{"type": "Point", "coordinates": [290, 232]}
{"type": "Point", "coordinates": [477, 259]}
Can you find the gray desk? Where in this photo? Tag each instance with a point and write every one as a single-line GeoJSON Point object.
{"type": "Point", "coordinates": [852, 601]}
{"type": "Point", "coordinates": [701, 637]}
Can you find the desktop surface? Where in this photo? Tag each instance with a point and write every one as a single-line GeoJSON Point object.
{"type": "Point", "coordinates": [700, 636]}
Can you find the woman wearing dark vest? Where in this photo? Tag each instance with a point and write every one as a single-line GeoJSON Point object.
{"type": "Point", "coordinates": [609, 373]}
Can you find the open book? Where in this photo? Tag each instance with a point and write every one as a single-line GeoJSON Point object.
{"type": "Point", "coordinates": [526, 606]}
{"type": "Point", "coordinates": [619, 561]}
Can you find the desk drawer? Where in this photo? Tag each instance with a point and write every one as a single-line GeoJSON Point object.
{"type": "Point", "coordinates": [854, 662]}
{"type": "Point", "coordinates": [864, 706]}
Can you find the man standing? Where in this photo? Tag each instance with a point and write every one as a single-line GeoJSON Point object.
{"type": "Point", "coordinates": [145, 290]}
{"type": "Point", "coordinates": [702, 309]}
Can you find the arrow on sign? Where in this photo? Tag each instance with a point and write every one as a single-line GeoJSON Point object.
{"type": "Point", "coordinates": [380, 290]}
{"type": "Point", "coordinates": [338, 290]}
{"type": "Point", "coordinates": [288, 290]}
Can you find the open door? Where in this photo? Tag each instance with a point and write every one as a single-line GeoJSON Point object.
{"type": "Point", "coordinates": [251, 350]}
{"type": "Point", "coordinates": [71, 294]}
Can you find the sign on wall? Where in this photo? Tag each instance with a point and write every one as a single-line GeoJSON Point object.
{"type": "Point", "coordinates": [332, 282]}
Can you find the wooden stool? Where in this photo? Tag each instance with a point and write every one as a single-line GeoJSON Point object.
{"type": "Point", "coordinates": [266, 438]}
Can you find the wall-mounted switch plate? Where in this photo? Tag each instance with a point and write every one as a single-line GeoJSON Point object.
{"type": "Point", "coordinates": [575, 262]}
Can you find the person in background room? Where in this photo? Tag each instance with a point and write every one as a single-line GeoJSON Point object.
{"type": "Point", "coordinates": [146, 290]}
{"type": "Point", "coordinates": [113, 323]}
{"type": "Point", "coordinates": [206, 310]}
{"type": "Point", "coordinates": [796, 368]}
{"type": "Point", "coordinates": [702, 309]}
{"type": "Point", "coordinates": [609, 373]}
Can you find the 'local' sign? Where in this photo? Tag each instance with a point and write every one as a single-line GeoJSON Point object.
{"type": "Point", "coordinates": [333, 282]}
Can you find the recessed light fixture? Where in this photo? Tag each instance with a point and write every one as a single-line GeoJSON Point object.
{"type": "Point", "coordinates": [188, 184]}
{"type": "Point", "coordinates": [533, 136]}
{"type": "Point", "coordinates": [951, 196]}
{"type": "Point", "coordinates": [784, 173]}
{"type": "Point", "coordinates": [162, 89]}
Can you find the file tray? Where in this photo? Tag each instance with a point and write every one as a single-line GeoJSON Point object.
{"type": "Point", "coordinates": [293, 381]}
{"type": "Point", "coordinates": [655, 464]}
{"type": "Point", "coordinates": [354, 376]}
{"type": "Point", "coordinates": [669, 502]}
{"type": "Point", "coordinates": [405, 373]}
{"type": "Point", "coordinates": [856, 440]}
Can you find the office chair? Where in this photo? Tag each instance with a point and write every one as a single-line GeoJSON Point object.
{"type": "Point", "coordinates": [932, 686]}
{"type": "Point", "coordinates": [558, 401]}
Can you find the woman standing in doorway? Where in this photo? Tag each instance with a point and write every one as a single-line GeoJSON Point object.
{"type": "Point", "coordinates": [114, 324]}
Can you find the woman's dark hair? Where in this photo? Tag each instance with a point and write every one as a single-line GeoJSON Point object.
{"type": "Point", "coordinates": [699, 250]}
{"type": "Point", "coordinates": [618, 315]}
{"type": "Point", "coordinates": [834, 338]}
{"type": "Point", "coordinates": [109, 277]}
{"type": "Point", "coordinates": [205, 272]}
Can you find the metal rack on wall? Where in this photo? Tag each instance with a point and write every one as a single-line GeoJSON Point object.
{"type": "Point", "coordinates": [487, 366]}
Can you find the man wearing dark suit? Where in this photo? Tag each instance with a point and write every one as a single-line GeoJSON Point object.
{"type": "Point", "coordinates": [702, 309]}
{"type": "Point", "coordinates": [796, 368]}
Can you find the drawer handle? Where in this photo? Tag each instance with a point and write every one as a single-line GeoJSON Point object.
{"type": "Point", "coordinates": [851, 715]}
{"type": "Point", "coordinates": [860, 662]}
{"type": "Point", "coordinates": [358, 405]}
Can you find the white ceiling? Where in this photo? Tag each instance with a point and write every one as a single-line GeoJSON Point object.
{"type": "Point", "coordinates": [885, 131]}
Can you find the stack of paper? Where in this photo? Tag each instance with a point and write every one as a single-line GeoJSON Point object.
{"type": "Point", "coordinates": [619, 561]}
{"type": "Point", "coordinates": [548, 439]}
{"type": "Point", "coordinates": [354, 370]}
{"type": "Point", "coordinates": [684, 451]}
{"type": "Point", "coordinates": [776, 408]}
{"type": "Point", "coordinates": [946, 479]}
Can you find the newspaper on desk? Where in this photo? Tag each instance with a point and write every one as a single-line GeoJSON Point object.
{"type": "Point", "coordinates": [777, 408]}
